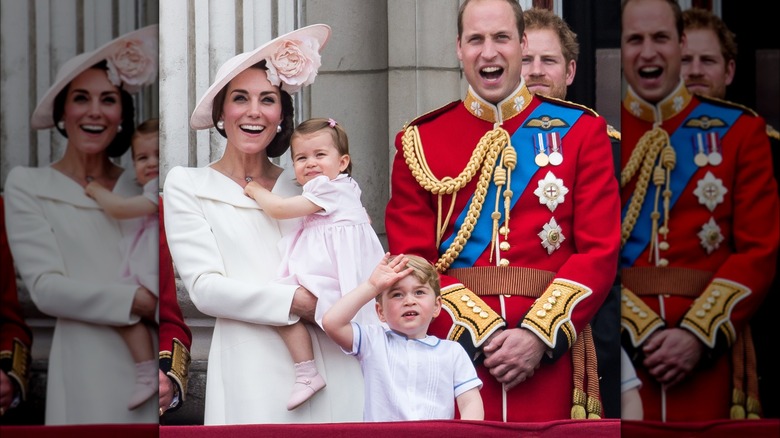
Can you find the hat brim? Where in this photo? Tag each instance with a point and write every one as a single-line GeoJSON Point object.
{"type": "Point", "coordinates": [201, 116]}
{"type": "Point", "coordinates": [43, 117]}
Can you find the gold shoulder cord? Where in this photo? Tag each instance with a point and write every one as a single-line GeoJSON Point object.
{"type": "Point", "coordinates": [646, 152]}
{"type": "Point", "coordinates": [483, 158]}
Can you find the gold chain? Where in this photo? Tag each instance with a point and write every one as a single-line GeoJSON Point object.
{"type": "Point", "coordinates": [483, 158]}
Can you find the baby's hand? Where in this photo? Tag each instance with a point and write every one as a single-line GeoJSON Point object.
{"type": "Point", "coordinates": [389, 272]}
{"type": "Point", "coordinates": [251, 187]}
{"type": "Point", "coordinates": [91, 188]}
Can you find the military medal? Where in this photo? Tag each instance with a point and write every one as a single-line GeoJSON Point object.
{"type": "Point", "coordinates": [710, 236]}
{"type": "Point", "coordinates": [556, 158]}
{"type": "Point", "coordinates": [551, 236]}
{"type": "Point", "coordinates": [698, 145]}
{"type": "Point", "coordinates": [713, 143]}
{"type": "Point", "coordinates": [551, 191]}
{"type": "Point", "coordinates": [541, 158]}
{"type": "Point", "coordinates": [710, 191]}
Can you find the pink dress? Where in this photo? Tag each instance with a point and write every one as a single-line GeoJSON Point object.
{"type": "Point", "coordinates": [140, 245]}
{"type": "Point", "coordinates": [335, 249]}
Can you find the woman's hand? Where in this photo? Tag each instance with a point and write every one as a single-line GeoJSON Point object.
{"type": "Point", "coordinates": [303, 304]}
{"type": "Point", "coordinates": [144, 304]}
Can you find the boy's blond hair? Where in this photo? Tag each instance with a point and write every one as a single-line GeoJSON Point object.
{"type": "Point", "coordinates": [423, 271]}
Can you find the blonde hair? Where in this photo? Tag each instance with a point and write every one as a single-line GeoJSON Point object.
{"type": "Point", "coordinates": [423, 271]}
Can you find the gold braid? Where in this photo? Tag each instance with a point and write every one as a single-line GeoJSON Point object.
{"type": "Point", "coordinates": [645, 152]}
{"type": "Point", "coordinates": [483, 158]}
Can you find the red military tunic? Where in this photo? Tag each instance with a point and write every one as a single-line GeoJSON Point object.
{"type": "Point", "coordinates": [175, 335]}
{"type": "Point", "coordinates": [563, 225]}
{"type": "Point", "coordinates": [712, 269]}
{"type": "Point", "coordinates": [15, 334]}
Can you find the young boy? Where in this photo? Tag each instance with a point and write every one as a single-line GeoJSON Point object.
{"type": "Point", "coordinates": [408, 375]}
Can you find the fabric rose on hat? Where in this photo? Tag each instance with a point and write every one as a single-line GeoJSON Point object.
{"type": "Point", "coordinates": [294, 64]}
{"type": "Point", "coordinates": [133, 65]}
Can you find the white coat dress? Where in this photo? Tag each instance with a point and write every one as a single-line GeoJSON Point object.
{"type": "Point", "coordinates": [226, 252]}
{"type": "Point", "coordinates": [67, 251]}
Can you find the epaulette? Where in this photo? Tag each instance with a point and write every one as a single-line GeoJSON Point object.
{"type": "Point", "coordinates": [613, 133]}
{"type": "Point", "coordinates": [569, 104]}
{"type": "Point", "coordinates": [772, 132]}
{"type": "Point", "coordinates": [432, 114]}
{"type": "Point", "coordinates": [727, 103]}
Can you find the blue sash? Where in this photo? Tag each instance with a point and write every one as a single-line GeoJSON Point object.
{"type": "Point", "coordinates": [523, 141]}
{"type": "Point", "coordinates": [684, 169]}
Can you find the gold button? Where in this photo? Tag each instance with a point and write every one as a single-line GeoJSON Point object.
{"type": "Point", "coordinates": [541, 313]}
{"type": "Point", "coordinates": [711, 300]}
{"type": "Point", "coordinates": [503, 262]}
{"type": "Point", "coordinates": [551, 300]}
{"type": "Point", "coordinates": [556, 293]}
{"type": "Point", "coordinates": [471, 303]}
{"type": "Point", "coordinates": [504, 246]}
{"type": "Point", "coordinates": [477, 309]}
{"type": "Point", "coordinates": [483, 315]}
{"type": "Point", "coordinates": [643, 315]}
{"type": "Point", "coordinates": [553, 236]}
{"type": "Point", "coordinates": [503, 230]}
{"type": "Point", "coordinates": [715, 293]}
{"type": "Point", "coordinates": [636, 310]}
{"type": "Point", "coordinates": [700, 314]}
{"type": "Point", "coordinates": [547, 306]}
{"type": "Point", "coordinates": [706, 306]}
{"type": "Point", "coordinates": [465, 298]}
{"type": "Point", "coordinates": [663, 262]}
{"type": "Point", "coordinates": [663, 246]}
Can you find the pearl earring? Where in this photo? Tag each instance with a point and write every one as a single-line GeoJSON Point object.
{"type": "Point", "coordinates": [61, 125]}
{"type": "Point", "coordinates": [119, 129]}
{"type": "Point", "coordinates": [278, 128]}
{"type": "Point", "coordinates": [220, 124]}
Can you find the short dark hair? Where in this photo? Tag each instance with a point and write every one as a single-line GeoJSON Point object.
{"type": "Point", "coordinates": [698, 18]}
{"type": "Point", "coordinates": [121, 141]}
{"type": "Point", "coordinates": [542, 18]}
{"type": "Point", "coordinates": [516, 9]}
{"type": "Point", "coordinates": [281, 142]}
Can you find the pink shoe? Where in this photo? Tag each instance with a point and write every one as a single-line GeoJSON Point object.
{"type": "Point", "coordinates": [307, 382]}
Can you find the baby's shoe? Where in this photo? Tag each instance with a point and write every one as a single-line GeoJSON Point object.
{"type": "Point", "coordinates": [146, 384]}
{"type": "Point", "coordinates": [307, 382]}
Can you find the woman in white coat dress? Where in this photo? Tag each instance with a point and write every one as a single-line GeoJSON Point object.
{"type": "Point", "coordinates": [225, 247]}
{"type": "Point", "coordinates": [67, 249]}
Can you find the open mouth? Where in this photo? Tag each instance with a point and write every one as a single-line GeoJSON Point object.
{"type": "Point", "coordinates": [252, 129]}
{"type": "Point", "coordinates": [93, 129]}
{"type": "Point", "coordinates": [650, 72]}
{"type": "Point", "coordinates": [410, 314]}
{"type": "Point", "coordinates": [491, 73]}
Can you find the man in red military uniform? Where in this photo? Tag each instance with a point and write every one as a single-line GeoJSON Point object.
{"type": "Point", "coordinates": [175, 335]}
{"type": "Point", "coordinates": [700, 228]}
{"type": "Point", "coordinates": [513, 197]}
{"type": "Point", "coordinates": [15, 334]}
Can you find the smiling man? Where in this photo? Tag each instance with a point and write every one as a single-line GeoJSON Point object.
{"type": "Point", "coordinates": [489, 189]}
{"type": "Point", "coordinates": [696, 181]}
{"type": "Point", "coordinates": [709, 57]}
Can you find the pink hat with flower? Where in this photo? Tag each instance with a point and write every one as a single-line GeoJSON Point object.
{"type": "Point", "coordinates": [292, 61]}
{"type": "Point", "coordinates": [132, 63]}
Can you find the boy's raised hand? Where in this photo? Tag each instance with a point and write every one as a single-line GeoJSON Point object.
{"type": "Point", "coordinates": [387, 272]}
